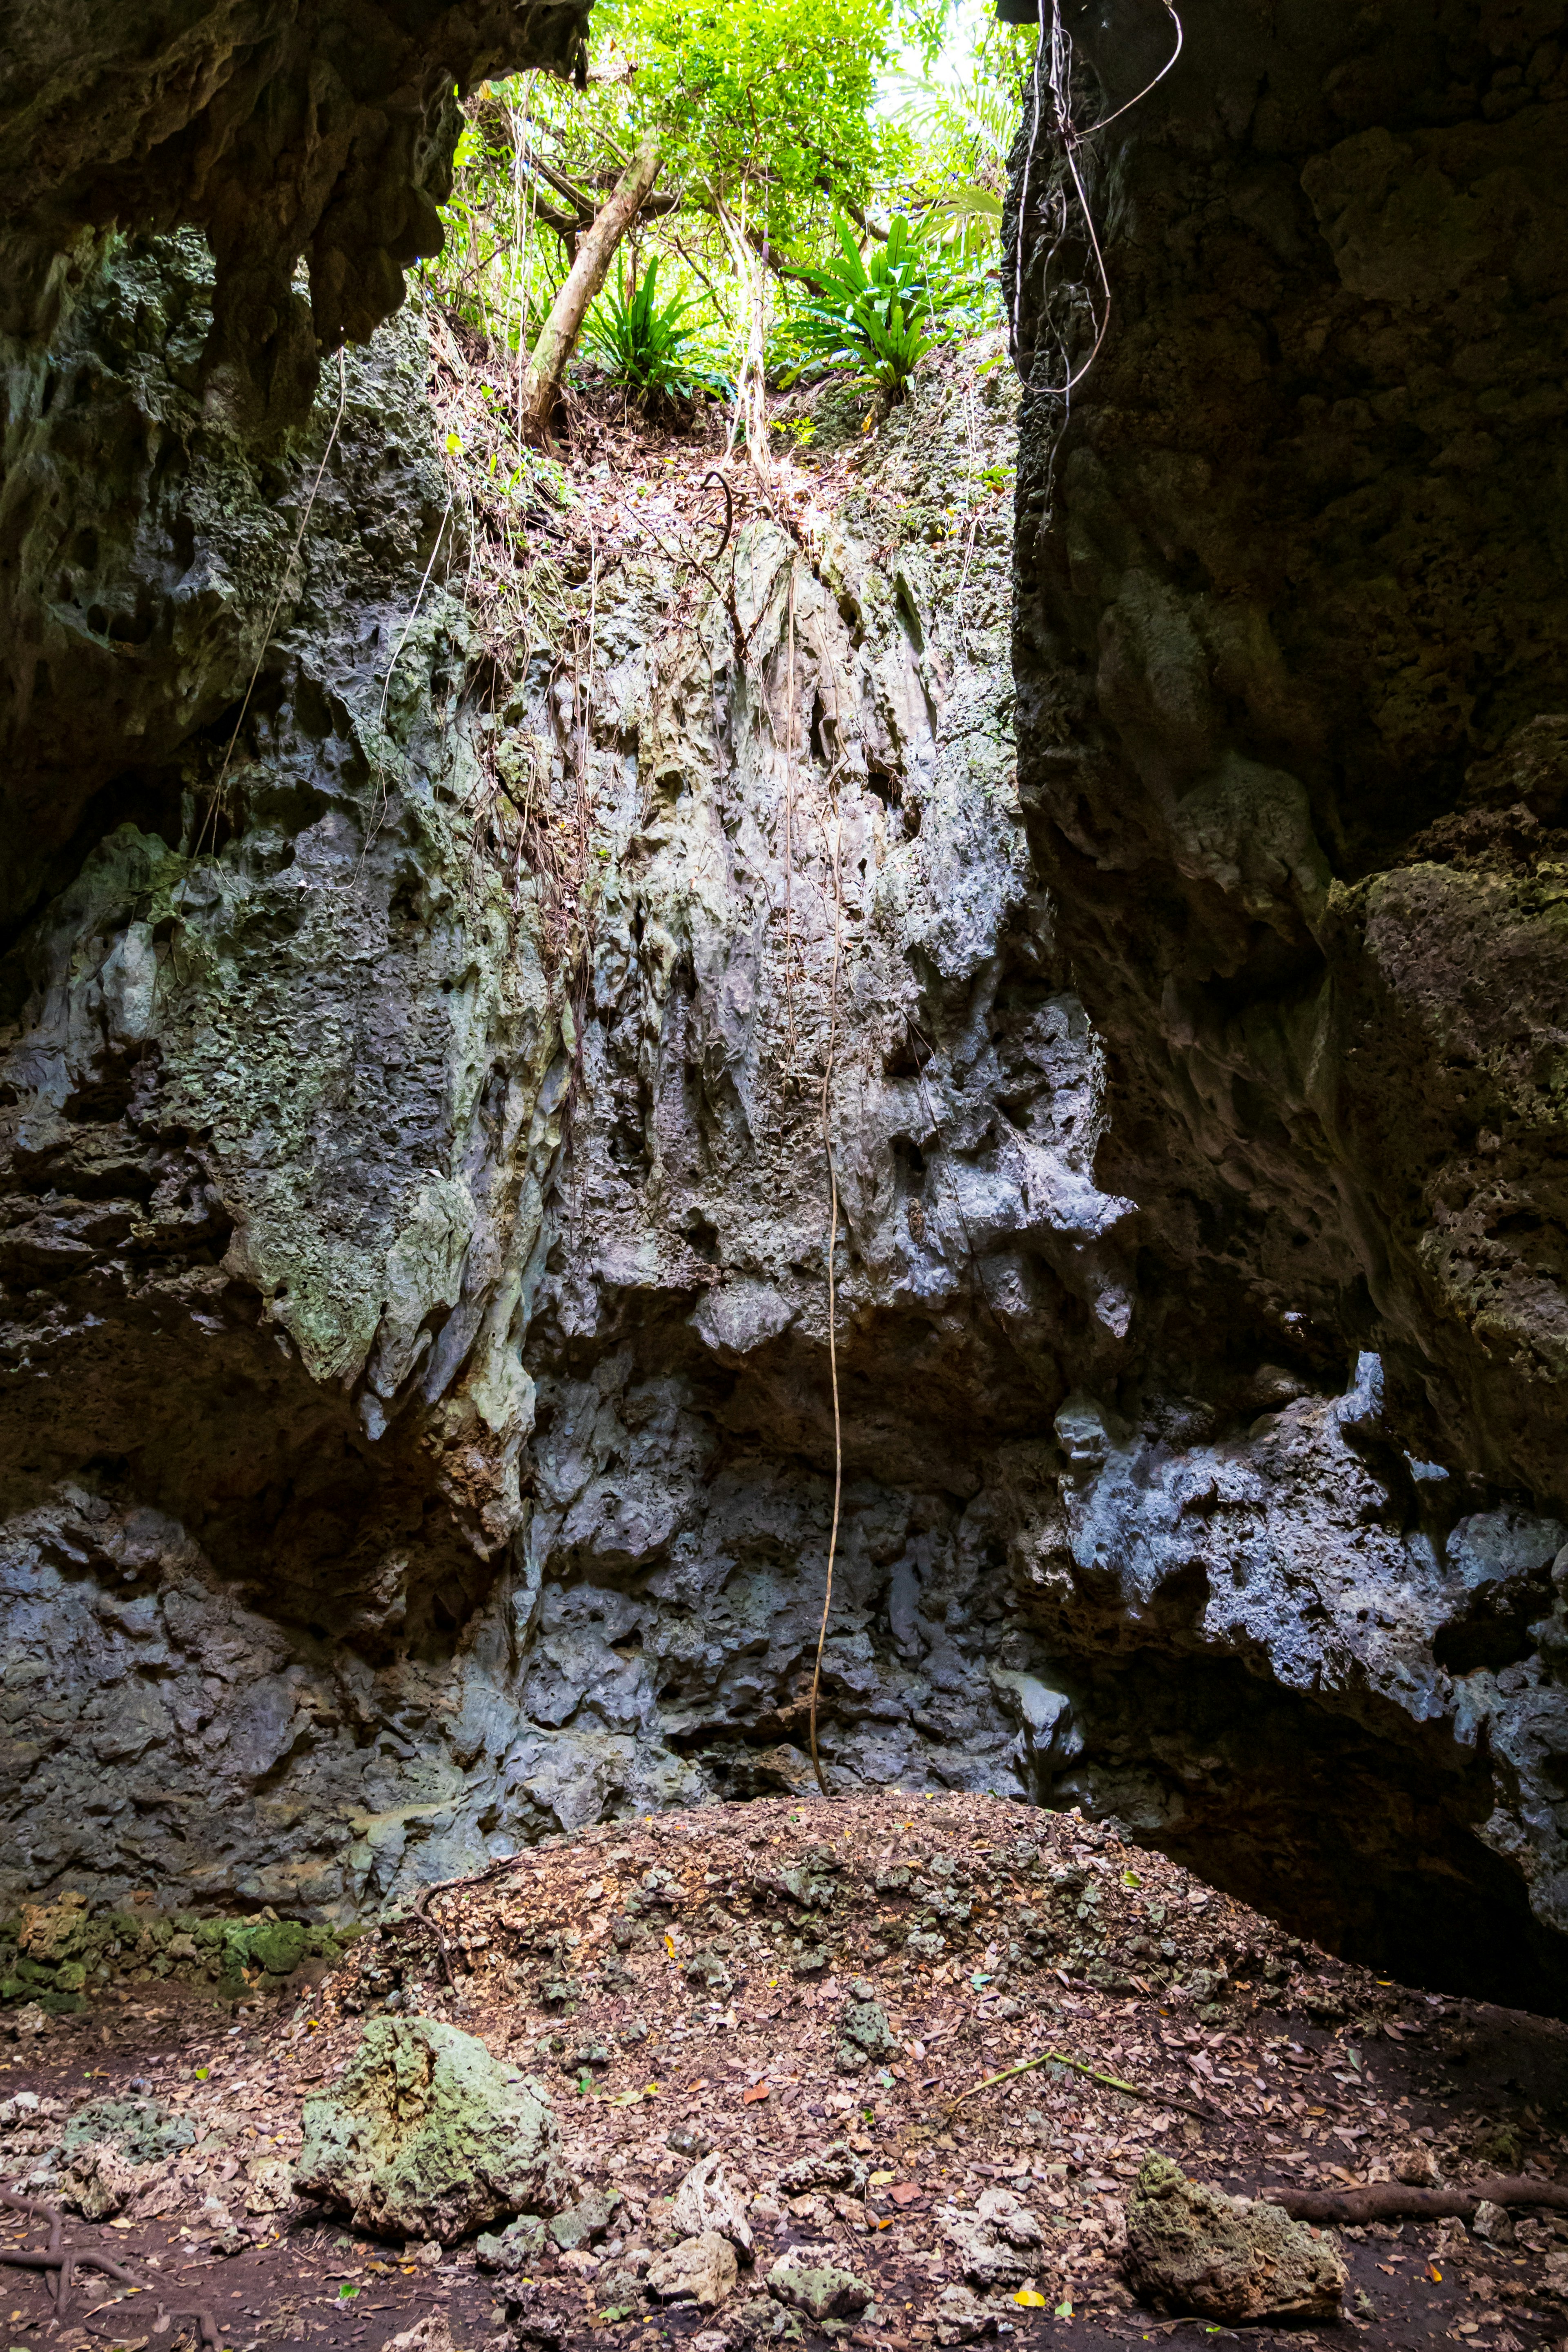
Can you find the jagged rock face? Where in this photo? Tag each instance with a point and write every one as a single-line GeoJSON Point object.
{"type": "Point", "coordinates": [1292, 631]}
{"type": "Point", "coordinates": [1290, 649]}
{"type": "Point", "coordinates": [321, 1187]}
{"type": "Point", "coordinates": [141, 540]}
{"type": "Point", "coordinates": [418, 1428]}
{"type": "Point", "coordinates": [324, 131]}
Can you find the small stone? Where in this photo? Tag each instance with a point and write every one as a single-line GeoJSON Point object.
{"type": "Point", "coordinates": [707, 1967]}
{"type": "Point", "coordinates": [834, 2166]}
{"type": "Point", "coordinates": [1192, 2248]}
{"type": "Point", "coordinates": [587, 2219]}
{"type": "Point", "coordinates": [1492, 2225]}
{"type": "Point", "coordinates": [962, 2318]}
{"type": "Point", "coordinates": [1416, 2166]}
{"type": "Point", "coordinates": [270, 2184]}
{"type": "Point", "coordinates": [998, 2243]}
{"type": "Point", "coordinates": [819, 2290]}
{"type": "Point", "coordinates": [689, 2140]}
{"type": "Point", "coordinates": [864, 2027]}
{"type": "Point", "coordinates": [709, 2200]}
{"type": "Point", "coordinates": [432, 2334]}
{"type": "Point", "coordinates": [701, 2270]}
{"type": "Point", "coordinates": [517, 2246]}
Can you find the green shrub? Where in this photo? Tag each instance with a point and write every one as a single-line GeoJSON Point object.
{"type": "Point", "coordinates": [873, 319]}
{"type": "Point", "coordinates": [648, 350]}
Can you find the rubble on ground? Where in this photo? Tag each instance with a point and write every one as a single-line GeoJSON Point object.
{"type": "Point", "coordinates": [695, 2115]}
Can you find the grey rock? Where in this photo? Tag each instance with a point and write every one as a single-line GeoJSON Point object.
{"type": "Point", "coordinates": [425, 2137]}
{"type": "Point", "coordinates": [586, 2221]}
{"type": "Point", "coordinates": [513, 2248]}
{"type": "Point", "coordinates": [1191, 2248]}
{"type": "Point", "coordinates": [999, 2242]}
{"type": "Point", "coordinates": [836, 2166]}
{"type": "Point", "coordinates": [701, 2270]}
{"type": "Point", "coordinates": [819, 2289]}
{"type": "Point", "coordinates": [536, 1440]}
{"type": "Point", "coordinates": [144, 2131]}
{"type": "Point", "coordinates": [709, 2200]}
{"type": "Point", "coordinates": [962, 2318]}
{"type": "Point", "coordinates": [866, 2036]}
{"type": "Point", "coordinates": [1492, 2223]}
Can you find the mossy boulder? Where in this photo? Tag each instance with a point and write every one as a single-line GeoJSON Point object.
{"type": "Point", "coordinates": [1191, 2248]}
{"type": "Point", "coordinates": [425, 2137]}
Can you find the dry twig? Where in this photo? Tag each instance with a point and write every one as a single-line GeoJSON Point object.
{"type": "Point", "coordinates": [1107, 2082]}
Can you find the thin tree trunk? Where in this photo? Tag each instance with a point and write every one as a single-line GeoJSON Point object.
{"type": "Point", "coordinates": [595, 250]}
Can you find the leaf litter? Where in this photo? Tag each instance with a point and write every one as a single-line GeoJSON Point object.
{"type": "Point", "coordinates": [815, 1994]}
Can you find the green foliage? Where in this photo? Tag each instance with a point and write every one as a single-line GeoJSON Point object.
{"type": "Point", "coordinates": [650, 350]}
{"type": "Point", "coordinates": [764, 106]}
{"type": "Point", "coordinates": [873, 319]}
{"type": "Point", "coordinates": [961, 113]}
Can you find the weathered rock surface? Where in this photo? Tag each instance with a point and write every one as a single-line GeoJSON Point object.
{"type": "Point", "coordinates": [999, 2242]}
{"type": "Point", "coordinates": [821, 2290]}
{"type": "Point", "coordinates": [1190, 2248]}
{"type": "Point", "coordinates": [708, 2199]}
{"type": "Point", "coordinates": [324, 131]}
{"type": "Point", "coordinates": [1288, 645]}
{"type": "Point", "coordinates": [701, 2270]}
{"type": "Point", "coordinates": [415, 1433]}
{"type": "Point", "coordinates": [513, 2248]}
{"type": "Point", "coordinates": [425, 2137]}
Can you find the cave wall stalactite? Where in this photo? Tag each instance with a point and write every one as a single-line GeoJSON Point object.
{"type": "Point", "coordinates": [414, 1421]}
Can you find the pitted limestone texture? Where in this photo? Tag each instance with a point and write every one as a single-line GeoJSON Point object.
{"type": "Point", "coordinates": [324, 131]}
{"type": "Point", "coordinates": [1190, 2248]}
{"type": "Point", "coordinates": [425, 2137]}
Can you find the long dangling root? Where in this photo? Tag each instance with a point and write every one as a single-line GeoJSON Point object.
{"type": "Point", "coordinates": [832, 1297]}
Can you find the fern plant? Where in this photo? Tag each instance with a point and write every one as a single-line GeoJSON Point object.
{"type": "Point", "coordinates": [873, 319]}
{"type": "Point", "coordinates": [650, 350]}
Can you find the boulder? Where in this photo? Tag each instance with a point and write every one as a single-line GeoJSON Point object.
{"type": "Point", "coordinates": [425, 2137]}
{"type": "Point", "coordinates": [819, 2290]}
{"type": "Point", "coordinates": [701, 2270]}
{"type": "Point", "coordinates": [1191, 2248]}
{"type": "Point", "coordinates": [709, 2200]}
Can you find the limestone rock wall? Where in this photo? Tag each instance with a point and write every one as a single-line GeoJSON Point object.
{"type": "Point", "coordinates": [415, 1428]}
{"type": "Point", "coordinates": [1290, 649]}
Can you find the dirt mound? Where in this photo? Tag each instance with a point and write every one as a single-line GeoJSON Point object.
{"type": "Point", "coordinates": [817, 1995]}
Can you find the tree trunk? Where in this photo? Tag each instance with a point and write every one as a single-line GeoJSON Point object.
{"type": "Point", "coordinates": [596, 250]}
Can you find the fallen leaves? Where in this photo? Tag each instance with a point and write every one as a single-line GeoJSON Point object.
{"type": "Point", "coordinates": [758, 2091]}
